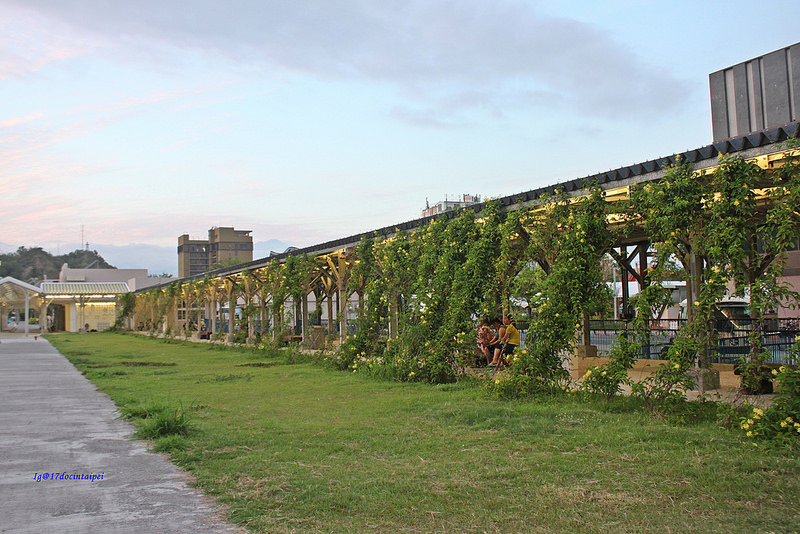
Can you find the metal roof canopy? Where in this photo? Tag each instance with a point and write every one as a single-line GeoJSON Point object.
{"type": "Point", "coordinates": [84, 289]}
{"type": "Point", "coordinates": [16, 293]}
{"type": "Point", "coordinates": [13, 291]}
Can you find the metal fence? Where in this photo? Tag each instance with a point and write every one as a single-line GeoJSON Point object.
{"type": "Point", "coordinates": [732, 344]}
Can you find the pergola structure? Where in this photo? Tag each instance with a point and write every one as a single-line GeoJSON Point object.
{"type": "Point", "coordinates": [251, 285]}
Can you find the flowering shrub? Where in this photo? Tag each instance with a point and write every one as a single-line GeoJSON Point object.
{"type": "Point", "coordinates": [521, 386]}
{"type": "Point", "coordinates": [668, 384]}
{"type": "Point", "coordinates": [781, 420]}
{"type": "Point", "coordinates": [607, 379]}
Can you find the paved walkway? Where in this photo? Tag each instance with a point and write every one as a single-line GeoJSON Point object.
{"type": "Point", "coordinates": [53, 420]}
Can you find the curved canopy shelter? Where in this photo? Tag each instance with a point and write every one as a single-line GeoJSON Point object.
{"type": "Point", "coordinates": [16, 294]}
{"type": "Point", "coordinates": [84, 306]}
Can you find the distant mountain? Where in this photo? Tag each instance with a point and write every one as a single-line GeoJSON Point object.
{"type": "Point", "coordinates": [33, 264]}
{"type": "Point", "coordinates": [156, 259]}
{"type": "Point", "coordinates": [262, 249]}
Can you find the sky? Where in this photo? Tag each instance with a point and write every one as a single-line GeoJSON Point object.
{"type": "Point", "coordinates": [127, 124]}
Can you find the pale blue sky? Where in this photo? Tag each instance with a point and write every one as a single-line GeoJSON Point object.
{"type": "Point", "coordinates": [307, 121]}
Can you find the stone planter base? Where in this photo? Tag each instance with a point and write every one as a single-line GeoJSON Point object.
{"type": "Point", "coordinates": [763, 388]}
{"type": "Point", "coordinates": [705, 379]}
{"type": "Point", "coordinates": [584, 359]}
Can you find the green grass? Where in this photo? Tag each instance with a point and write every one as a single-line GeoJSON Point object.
{"type": "Point", "coordinates": [293, 447]}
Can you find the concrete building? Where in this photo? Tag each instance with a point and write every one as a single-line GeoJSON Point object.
{"type": "Point", "coordinates": [447, 205]}
{"type": "Point", "coordinates": [80, 300]}
{"type": "Point", "coordinates": [135, 278]}
{"type": "Point", "coordinates": [197, 256]}
{"type": "Point", "coordinates": [756, 95]}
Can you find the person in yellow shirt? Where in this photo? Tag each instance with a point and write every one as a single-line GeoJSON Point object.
{"type": "Point", "coordinates": [508, 343]}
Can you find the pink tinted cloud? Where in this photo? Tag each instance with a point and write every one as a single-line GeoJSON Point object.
{"type": "Point", "coordinates": [30, 41]}
{"type": "Point", "coordinates": [17, 121]}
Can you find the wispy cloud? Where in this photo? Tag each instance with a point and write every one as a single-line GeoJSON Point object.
{"type": "Point", "coordinates": [28, 43]}
{"type": "Point", "coordinates": [16, 121]}
{"type": "Point", "coordinates": [466, 49]}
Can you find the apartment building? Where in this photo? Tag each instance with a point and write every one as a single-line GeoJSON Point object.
{"type": "Point", "coordinates": [197, 256]}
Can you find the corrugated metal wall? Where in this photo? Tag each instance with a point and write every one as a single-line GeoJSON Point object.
{"type": "Point", "coordinates": [755, 95]}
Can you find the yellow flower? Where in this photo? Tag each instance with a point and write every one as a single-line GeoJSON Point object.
{"type": "Point", "coordinates": [774, 372]}
{"type": "Point", "coordinates": [677, 366]}
{"type": "Point", "coordinates": [758, 411]}
{"type": "Point", "coordinates": [784, 424]}
{"type": "Point", "coordinates": [411, 374]}
{"type": "Point", "coordinates": [749, 434]}
{"type": "Point", "coordinates": [745, 426]}
{"type": "Point", "coordinates": [496, 380]}
{"type": "Point", "coordinates": [589, 372]}
{"type": "Point", "coordinates": [749, 421]}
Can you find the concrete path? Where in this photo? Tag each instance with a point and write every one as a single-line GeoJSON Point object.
{"type": "Point", "coordinates": [53, 420]}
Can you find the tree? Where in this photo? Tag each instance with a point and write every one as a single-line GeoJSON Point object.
{"type": "Point", "coordinates": [752, 224]}
{"type": "Point", "coordinates": [35, 264]}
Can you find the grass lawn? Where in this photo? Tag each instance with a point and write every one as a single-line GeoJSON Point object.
{"type": "Point", "coordinates": [294, 447]}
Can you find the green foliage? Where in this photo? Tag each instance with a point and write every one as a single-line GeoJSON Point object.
{"type": "Point", "coordinates": [128, 301]}
{"type": "Point", "coordinates": [568, 239]}
{"type": "Point", "coordinates": [607, 380]}
{"type": "Point", "coordinates": [143, 410]}
{"type": "Point", "coordinates": [432, 299]}
{"type": "Point", "coordinates": [170, 444]}
{"type": "Point", "coordinates": [156, 420]}
{"type": "Point", "coordinates": [781, 420]}
{"type": "Point", "coordinates": [675, 216]}
{"type": "Point", "coordinates": [279, 451]}
{"type": "Point", "coordinates": [673, 213]}
{"type": "Point", "coordinates": [520, 387]}
{"type": "Point", "coordinates": [170, 420]}
{"type": "Point", "coordinates": [748, 240]}
{"type": "Point", "coordinates": [34, 264]}
{"type": "Point", "coordinates": [422, 294]}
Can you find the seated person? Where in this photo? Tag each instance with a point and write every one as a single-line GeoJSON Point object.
{"type": "Point", "coordinates": [509, 342]}
{"type": "Point", "coordinates": [496, 345]}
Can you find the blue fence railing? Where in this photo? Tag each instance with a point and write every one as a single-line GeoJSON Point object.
{"type": "Point", "coordinates": [733, 342]}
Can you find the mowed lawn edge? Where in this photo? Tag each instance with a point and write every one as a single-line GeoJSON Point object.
{"type": "Point", "coordinates": [295, 447]}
